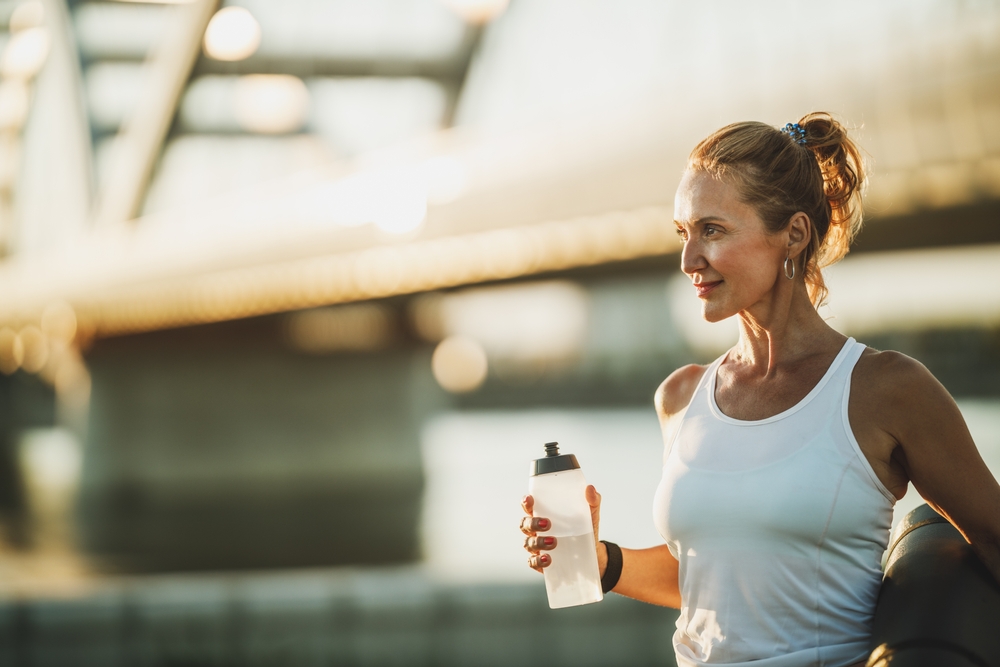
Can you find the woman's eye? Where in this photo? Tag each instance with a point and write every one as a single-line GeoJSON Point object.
{"type": "Point", "coordinates": [682, 234]}
{"type": "Point", "coordinates": [711, 231]}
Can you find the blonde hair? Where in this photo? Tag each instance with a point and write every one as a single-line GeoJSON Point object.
{"type": "Point", "coordinates": [821, 177]}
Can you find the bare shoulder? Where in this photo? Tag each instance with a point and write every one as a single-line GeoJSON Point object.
{"type": "Point", "coordinates": [892, 376]}
{"type": "Point", "coordinates": [899, 396]}
{"type": "Point", "coordinates": [676, 391]}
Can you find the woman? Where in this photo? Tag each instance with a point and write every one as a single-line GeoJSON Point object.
{"type": "Point", "coordinates": [785, 456]}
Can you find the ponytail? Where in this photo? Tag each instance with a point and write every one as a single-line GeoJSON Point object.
{"type": "Point", "coordinates": [842, 167]}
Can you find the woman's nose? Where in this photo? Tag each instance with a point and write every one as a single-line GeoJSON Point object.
{"type": "Point", "coordinates": [691, 258]}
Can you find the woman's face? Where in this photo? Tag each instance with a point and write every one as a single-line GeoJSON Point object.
{"type": "Point", "coordinates": [729, 255]}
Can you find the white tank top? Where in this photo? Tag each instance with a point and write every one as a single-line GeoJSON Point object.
{"type": "Point", "coordinates": [779, 526]}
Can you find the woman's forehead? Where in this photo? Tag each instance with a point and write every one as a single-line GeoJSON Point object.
{"type": "Point", "coordinates": [702, 195]}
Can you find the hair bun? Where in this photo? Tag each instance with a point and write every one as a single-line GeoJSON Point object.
{"type": "Point", "coordinates": [842, 166]}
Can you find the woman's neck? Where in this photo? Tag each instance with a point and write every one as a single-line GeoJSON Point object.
{"type": "Point", "coordinates": [782, 331]}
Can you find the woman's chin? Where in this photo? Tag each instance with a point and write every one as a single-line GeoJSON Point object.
{"type": "Point", "coordinates": [713, 314]}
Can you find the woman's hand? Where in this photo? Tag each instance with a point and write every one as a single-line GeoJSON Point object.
{"type": "Point", "coordinates": [532, 525]}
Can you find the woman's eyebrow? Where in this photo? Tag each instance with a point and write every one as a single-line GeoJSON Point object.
{"type": "Point", "coordinates": [701, 221]}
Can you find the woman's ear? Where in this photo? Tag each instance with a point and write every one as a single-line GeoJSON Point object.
{"type": "Point", "coordinates": [799, 233]}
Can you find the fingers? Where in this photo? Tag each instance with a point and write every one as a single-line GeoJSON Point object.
{"type": "Point", "coordinates": [593, 497]}
{"type": "Point", "coordinates": [538, 561]}
{"type": "Point", "coordinates": [534, 543]}
{"type": "Point", "coordinates": [594, 500]}
{"type": "Point", "coordinates": [539, 543]}
{"type": "Point", "coordinates": [532, 524]}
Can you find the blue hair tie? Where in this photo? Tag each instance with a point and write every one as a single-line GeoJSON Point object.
{"type": "Point", "coordinates": [795, 132]}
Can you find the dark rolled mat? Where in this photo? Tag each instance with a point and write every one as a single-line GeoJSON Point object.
{"type": "Point", "coordinates": [938, 606]}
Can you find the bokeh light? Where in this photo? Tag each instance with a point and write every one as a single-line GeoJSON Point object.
{"type": "Point", "coordinates": [36, 349]}
{"type": "Point", "coordinates": [51, 459]}
{"type": "Point", "coordinates": [271, 103]}
{"type": "Point", "coordinates": [232, 34]}
{"type": "Point", "coordinates": [11, 351]}
{"type": "Point", "coordinates": [30, 14]}
{"type": "Point", "coordinates": [459, 364]}
{"type": "Point", "coordinates": [59, 321]}
{"type": "Point", "coordinates": [14, 104]}
{"type": "Point", "coordinates": [477, 12]}
{"type": "Point", "coordinates": [25, 53]}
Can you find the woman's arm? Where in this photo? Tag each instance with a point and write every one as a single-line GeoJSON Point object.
{"type": "Point", "coordinates": [936, 450]}
{"type": "Point", "coordinates": [649, 575]}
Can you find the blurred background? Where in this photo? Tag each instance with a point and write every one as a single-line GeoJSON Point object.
{"type": "Point", "coordinates": [292, 291]}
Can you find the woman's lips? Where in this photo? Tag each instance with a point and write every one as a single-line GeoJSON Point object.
{"type": "Point", "coordinates": [704, 288]}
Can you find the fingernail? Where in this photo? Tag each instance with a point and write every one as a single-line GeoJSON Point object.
{"type": "Point", "coordinates": [543, 523]}
{"type": "Point", "coordinates": [544, 558]}
{"type": "Point", "coordinates": [549, 541]}
{"type": "Point", "coordinates": [524, 500]}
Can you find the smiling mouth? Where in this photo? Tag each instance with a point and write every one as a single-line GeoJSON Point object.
{"type": "Point", "coordinates": [704, 288]}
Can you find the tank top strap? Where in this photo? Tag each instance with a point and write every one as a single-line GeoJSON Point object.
{"type": "Point", "coordinates": [835, 387]}
{"type": "Point", "coordinates": [697, 404]}
{"type": "Point", "coordinates": [850, 440]}
{"type": "Point", "coordinates": [844, 364]}
{"type": "Point", "coordinates": [708, 378]}
{"type": "Point", "coordinates": [701, 399]}
{"type": "Point", "coordinates": [830, 391]}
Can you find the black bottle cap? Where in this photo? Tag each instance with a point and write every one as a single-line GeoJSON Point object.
{"type": "Point", "coordinates": [553, 461]}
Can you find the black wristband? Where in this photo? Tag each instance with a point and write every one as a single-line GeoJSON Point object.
{"type": "Point", "coordinates": [613, 571]}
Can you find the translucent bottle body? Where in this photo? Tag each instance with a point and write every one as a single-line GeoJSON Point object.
{"type": "Point", "coordinates": [573, 577]}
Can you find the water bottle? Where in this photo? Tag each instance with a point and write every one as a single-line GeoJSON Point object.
{"type": "Point", "coordinates": [559, 490]}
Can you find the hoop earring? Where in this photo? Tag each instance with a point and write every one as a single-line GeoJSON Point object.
{"type": "Point", "coordinates": [789, 260]}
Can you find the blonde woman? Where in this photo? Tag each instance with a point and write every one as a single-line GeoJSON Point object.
{"type": "Point", "coordinates": [785, 455]}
